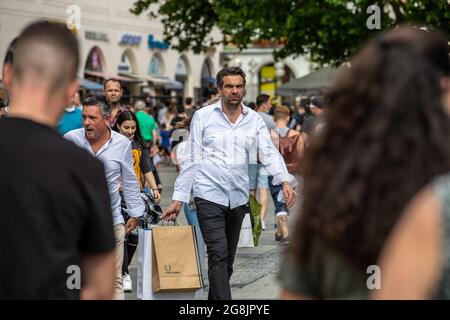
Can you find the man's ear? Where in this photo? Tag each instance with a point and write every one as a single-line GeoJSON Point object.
{"type": "Point", "coordinates": [7, 76]}
{"type": "Point", "coordinates": [72, 89]}
{"type": "Point", "coordinates": [108, 120]}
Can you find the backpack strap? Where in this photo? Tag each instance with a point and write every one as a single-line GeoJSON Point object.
{"type": "Point", "coordinates": [274, 136]}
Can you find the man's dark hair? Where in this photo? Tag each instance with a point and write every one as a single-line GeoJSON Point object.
{"type": "Point", "coordinates": [262, 98]}
{"type": "Point", "coordinates": [252, 105]}
{"type": "Point", "coordinates": [48, 51]}
{"type": "Point", "coordinates": [319, 102]}
{"type": "Point", "coordinates": [213, 91]}
{"type": "Point", "coordinates": [229, 71]}
{"type": "Point", "coordinates": [188, 100]}
{"type": "Point", "coordinates": [304, 102]}
{"type": "Point", "coordinates": [111, 79]}
{"type": "Point", "coordinates": [100, 102]}
{"type": "Point", "coordinates": [9, 57]}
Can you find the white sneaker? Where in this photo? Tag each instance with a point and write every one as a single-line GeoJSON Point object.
{"type": "Point", "coordinates": [263, 225]}
{"type": "Point", "coordinates": [127, 284]}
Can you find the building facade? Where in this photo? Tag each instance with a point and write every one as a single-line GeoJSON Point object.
{"type": "Point", "coordinates": [116, 43]}
{"type": "Point", "coordinates": [264, 74]}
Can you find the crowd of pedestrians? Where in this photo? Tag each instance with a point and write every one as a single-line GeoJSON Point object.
{"type": "Point", "coordinates": [369, 160]}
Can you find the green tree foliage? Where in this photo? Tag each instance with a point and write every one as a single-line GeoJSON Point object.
{"type": "Point", "coordinates": [330, 31]}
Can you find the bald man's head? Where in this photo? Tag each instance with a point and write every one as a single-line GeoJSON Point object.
{"type": "Point", "coordinates": [46, 52]}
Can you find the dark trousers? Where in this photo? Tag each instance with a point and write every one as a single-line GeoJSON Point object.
{"type": "Point", "coordinates": [220, 228]}
{"type": "Point", "coordinates": [129, 248]}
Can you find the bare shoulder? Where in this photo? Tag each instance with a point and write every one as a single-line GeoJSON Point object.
{"type": "Point", "coordinates": [411, 258]}
{"type": "Point", "coordinates": [422, 215]}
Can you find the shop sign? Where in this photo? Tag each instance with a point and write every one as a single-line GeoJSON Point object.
{"type": "Point", "coordinates": [130, 39]}
{"type": "Point", "coordinates": [155, 44]}
{"type": "Point", "coordinates": [96, 36]}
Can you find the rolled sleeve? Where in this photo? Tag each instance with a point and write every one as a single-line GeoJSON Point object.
{"type": "Point", "coordinates": [130, 186]}
{"type": "Point", "coordinates": [181, 196]}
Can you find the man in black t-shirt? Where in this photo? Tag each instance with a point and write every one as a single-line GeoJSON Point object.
{"type": "Point", "coordinates": [55, 213]}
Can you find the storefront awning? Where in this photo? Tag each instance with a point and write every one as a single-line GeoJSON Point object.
{"type": "Point", "coordinates": [156, 81]}
{"type": "Point", "coordinates": [312, 83]}
{"type": "Point", "coordinates": [105, 76]}
{"type": "Point", "coordinates": [174, 85]}
{"type": "Point", "coordinates": [210, 80]}
{"type": "Point", "coordinates": [90, 85]}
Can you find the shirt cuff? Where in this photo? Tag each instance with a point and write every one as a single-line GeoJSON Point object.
{"type": "Point", "coordinates": [285, 177]}
{"type": "Point", "coordinates": [181, 196]}
{"type": "Point", "coordinates": [136, 212]}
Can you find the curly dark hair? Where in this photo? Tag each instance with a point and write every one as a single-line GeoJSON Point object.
{"type": "Point", "coordinates": [386, 136]}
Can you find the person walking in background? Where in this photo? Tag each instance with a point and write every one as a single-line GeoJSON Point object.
{"type": "Point", "coordinates": [222, 136]}
{"type": "Point", "coordinates": [65, 219]}
{"type": "Point", "coordinates": [189, 107]}
{"type": "Point", "coordinates": [298, 118]}
{"type": "Point", "coordinates": [148, 130]}
{"type": "Point", "coordinates": [214, 96]}
{"type": "Point", "coordinates": [165, 141]}
{"type": "Point", "coordinates": [385, 137]}
{"type": "Point", "coordinates": [71, 118]}
{"type": "Point", "coordinates": [114, 150]}
{"type": "Point", "coordinates": [147, 123]}
{"type": "Point", "coordinates": [290, 144]}
{"type": "Point", "coordinates": [113, 94]}
{"type": "Point", "coordinates": [128, 126]}
{"type": "Point", "coordinates": [263, 105]}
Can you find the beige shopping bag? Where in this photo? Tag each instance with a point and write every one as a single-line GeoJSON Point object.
{"type": "Point", "coordinates": [176, 264]}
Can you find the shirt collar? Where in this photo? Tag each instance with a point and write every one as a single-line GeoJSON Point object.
{"type": "Point", "coordinates": [218, 106]}
{"type": "Point", "coordinates": [107, 143]}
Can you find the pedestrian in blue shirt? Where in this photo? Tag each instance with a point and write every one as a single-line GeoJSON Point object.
{"type": "Point", "coordinates": [71, 118]}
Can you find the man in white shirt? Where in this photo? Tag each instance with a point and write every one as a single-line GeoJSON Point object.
{"type": "Point", "coordinates": [224, 138]}
{"type": "Point", "coordinates": [114, 150]}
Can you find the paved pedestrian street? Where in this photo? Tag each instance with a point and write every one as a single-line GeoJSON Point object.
{"type": "Point", "coordinates": [255, 269]}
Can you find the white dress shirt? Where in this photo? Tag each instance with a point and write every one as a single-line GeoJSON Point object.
{"type": "Point", "coordinates": [218, 153]}
{"type": "Point", "coordinates": [117, 159]}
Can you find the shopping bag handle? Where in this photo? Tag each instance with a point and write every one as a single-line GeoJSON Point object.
{"type": "Point", "coordinates": [166, 223]}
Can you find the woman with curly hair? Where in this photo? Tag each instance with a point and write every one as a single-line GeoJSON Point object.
{"type": "Point", "coordinates": [385, 137]}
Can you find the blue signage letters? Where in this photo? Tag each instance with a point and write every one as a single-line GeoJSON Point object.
{"type": "Point", "coordinates": [130, 39]}
{"type": "Point", "coordinates": [155, 44]}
